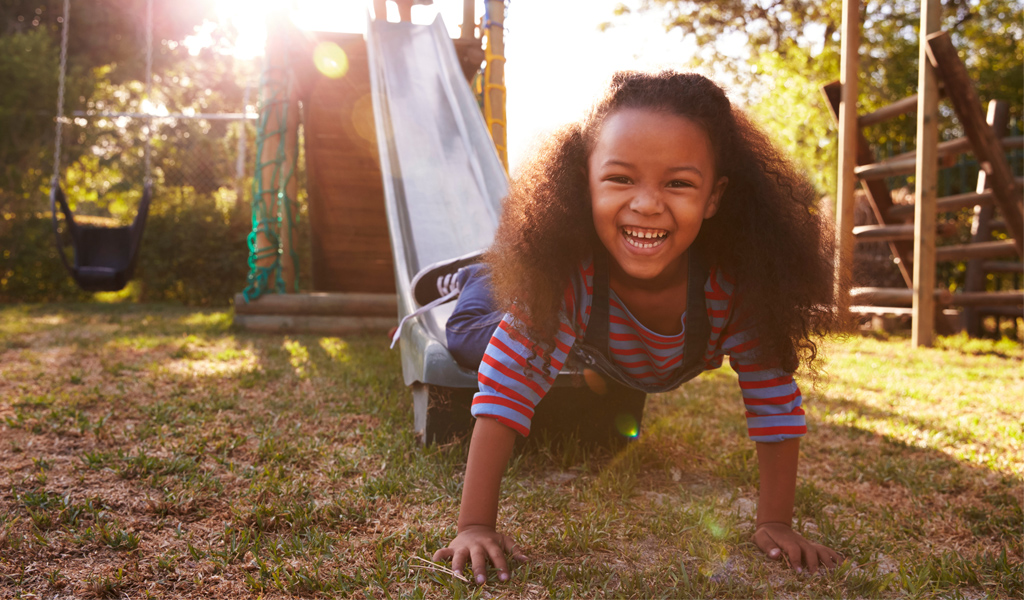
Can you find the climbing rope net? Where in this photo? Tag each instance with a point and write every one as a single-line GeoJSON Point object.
{"type": "Point", "coordinates": [273, 217]}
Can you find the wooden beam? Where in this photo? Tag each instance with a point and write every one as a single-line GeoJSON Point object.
{"type": "Point", "coordinates": [903, 164]}
{"type": "Point", "coordinates": [315, 325]}
{"type": "Point", "coordinates": [900, 107]}
{"type": "Point", "coordinates": [979, 250]}
{"type": "Point", "coordinates": [946, 204]}
{"type": "Point", "coordinates": [848, 140]}
{"type": "Point", "coordinates": [961, 145]}
{"type": "Point", "coordinates": [320, 304]}
{"type": "Point", "coordinates": [882, 233]}
{"type": "Point", "coordinates": [1014, 312]}
{"type": "Point", "coordinates": [891, 167]}
{"type": "Point", "coordinates": [881, 310]}
{"type": "Point", "coordinates": [893, 296]}
{"type": "Point", "coordinates": [887, 168]}
{"type": "Point", "coordinates": [1002, 266]}
{"type": "Point", "coordinates": [987, 149]}
{"type": "Point", "coordinates": [1012, 298]}
{"type": "Point", "coordinates": [926, 179]}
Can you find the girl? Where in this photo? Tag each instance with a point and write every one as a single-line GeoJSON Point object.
{"type": "Point", "coordinates": [647, 241]}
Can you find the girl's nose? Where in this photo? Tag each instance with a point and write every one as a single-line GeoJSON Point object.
{"type": "Point", "coordinates": [647, 201]}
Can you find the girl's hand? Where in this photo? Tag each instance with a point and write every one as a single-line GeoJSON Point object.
{"type": "Point", "coordinates": [779, 539]}
{"type": "Point", "coordinates": [480, 543]}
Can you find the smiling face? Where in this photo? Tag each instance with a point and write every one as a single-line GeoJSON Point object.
{"type": "Point", "coordinates": [652, 183]}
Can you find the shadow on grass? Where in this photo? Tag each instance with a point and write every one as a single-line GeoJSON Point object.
{"type": "Point", "coordinates": [300, 484]}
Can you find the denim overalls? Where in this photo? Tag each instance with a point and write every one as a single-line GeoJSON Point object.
{"type": "Point", "coordinates": [474, 320]}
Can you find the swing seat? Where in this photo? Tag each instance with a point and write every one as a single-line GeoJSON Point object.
{"type": "Point", "coordinates": [104, 256]}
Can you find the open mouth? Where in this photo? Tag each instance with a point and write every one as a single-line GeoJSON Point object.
{"type": "Point", "coordinates": [642, 237]}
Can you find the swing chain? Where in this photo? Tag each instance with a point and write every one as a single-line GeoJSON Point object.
{"type": "Point", "coordinates": [60, 92]}
{"type": "Point", "coordinates": [149, 89]}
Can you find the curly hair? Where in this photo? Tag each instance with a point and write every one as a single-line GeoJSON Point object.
{"type": "Point", "coordinates": [767, 234]}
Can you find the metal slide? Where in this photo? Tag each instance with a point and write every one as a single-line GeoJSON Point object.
{"type": "Point", "coordinates": [443, 186]}
{"type": "Point", "coordinates": [443, 180]}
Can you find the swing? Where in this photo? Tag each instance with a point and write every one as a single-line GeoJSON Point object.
{"type": "Point", "coordinates": [104, 256]}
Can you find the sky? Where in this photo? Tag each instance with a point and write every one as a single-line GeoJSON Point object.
{"type": "Point", "coordinates": [557, 58]}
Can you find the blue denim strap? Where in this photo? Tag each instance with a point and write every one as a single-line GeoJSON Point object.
{"type": "Point", "coordinates": [594, 349]}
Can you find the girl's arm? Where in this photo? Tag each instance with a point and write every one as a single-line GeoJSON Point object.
{"type": "Point", "coordinates": [489, 451]}
{"type": "Point", "coordinates": [777, 462]}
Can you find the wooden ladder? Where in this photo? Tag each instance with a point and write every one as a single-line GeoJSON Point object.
{"type": "Point", "coordinates": [997, 189]}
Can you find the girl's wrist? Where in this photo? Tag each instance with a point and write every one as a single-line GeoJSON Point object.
{"type": "Point", "coordinates": [462, 528]}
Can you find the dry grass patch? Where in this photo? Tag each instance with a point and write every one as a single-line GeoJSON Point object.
{"type": "Point", "coordinates": [152, 451]}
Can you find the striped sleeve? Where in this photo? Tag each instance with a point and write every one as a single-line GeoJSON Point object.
{"type": "Point", "coordinates": [770, 394]}
{"type": "Point", "coordinates": [515, 374]}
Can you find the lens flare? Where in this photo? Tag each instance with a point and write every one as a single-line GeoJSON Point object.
{"type": "Point", "coordinates": [627, 426]}
{"type": "Point", "coordinates": [330, 60]}
{"type": "Point", "coordinates": [716, 529]}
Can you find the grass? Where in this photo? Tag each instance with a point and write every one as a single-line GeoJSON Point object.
{"type": "Point", "coordinates": [153, 451]}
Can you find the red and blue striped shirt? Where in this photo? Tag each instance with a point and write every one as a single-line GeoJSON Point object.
{"type": "Point", "coordinates": [514, 377]}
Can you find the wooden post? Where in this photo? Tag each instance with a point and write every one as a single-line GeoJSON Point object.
{"type": "Point", "coordinates": [280, 100]}
{"type": "Point", "coordinates": [926, 183]}
{"type": "Point", "coordinates": [404, 10]}
{"type": "Point", "coordinates": [848, 131]}
{"type": "Point", "coordinates": [291, 185]}
{"type": "Point", "coordinates": [269, 248]}
{"type": "Point", "coordinates": [974, 279]}
{"type": "Point", "coordinates": [495, 84]}
{"type": "Point", "coordinates": [987, 148]}
{"type": "Point", "coordinates": [241, 206]}
{"type": "Point", "coordinates": [878, 194]}
{"type": "Point", "coordinates": [468, 20]}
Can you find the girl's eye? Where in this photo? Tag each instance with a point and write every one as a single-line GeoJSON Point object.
{"type": "Point", "coordinates": [678, 183]}
{"type": "Point", "coordinates": [619, 179]}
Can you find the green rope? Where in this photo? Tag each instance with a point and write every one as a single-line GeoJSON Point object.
{"type": "Point", "coordinates": [271, 206]}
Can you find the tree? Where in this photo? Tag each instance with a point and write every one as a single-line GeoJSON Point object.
{"type": "Point", "coordinates": [106, 47]}
{"type": "Point", "coordinates": [25, 72]}
{"type": "Point", "coordinates": [791, 47]}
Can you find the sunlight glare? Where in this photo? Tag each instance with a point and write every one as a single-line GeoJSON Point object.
{"type": "Point", "coordinates": [249, 19]}
{"type": "Point", "coordinates": [330, 60]}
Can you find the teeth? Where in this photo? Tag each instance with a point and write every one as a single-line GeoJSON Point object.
{"type": "Point", "coordinates": [636, 233]}
{"type": "Point", "coordinates": [633, 242]}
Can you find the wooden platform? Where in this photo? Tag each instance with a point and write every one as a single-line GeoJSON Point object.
{"type": "Point", "coordinates": [351, 251]}
{"type": "Point", "coordinates": [318, 313]}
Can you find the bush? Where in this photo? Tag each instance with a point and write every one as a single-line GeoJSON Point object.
{"type": "Point", "coordinates": [30, 269]}
{"type": "Point", "coordinates": [193, 252]}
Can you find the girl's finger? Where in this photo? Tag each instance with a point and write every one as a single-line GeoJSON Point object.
{"type": "Point", "coordinates": [510, 547]}
{"type": "Point", "coordinates": [497, 555]}
{"type": "Point", "coordinates": [767, 545]}
{"type": "Point", "coordinates": [792, 551]}
{"type": "Point", "coordinates": [832, 559]}
{"type": "Point", "coordinates": [811, 558]}
{"type": "Point", "coordinates": [442, 554]}
{"type": "Point", "coordinates": [459, 560]}
{"type": "Point", "coordinates": [479, 558]}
